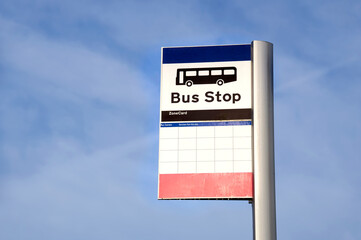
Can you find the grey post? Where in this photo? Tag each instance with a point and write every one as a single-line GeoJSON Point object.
{"type": "Point", "coordinates": [264, 202]}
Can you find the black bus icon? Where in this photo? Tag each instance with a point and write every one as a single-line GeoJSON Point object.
{"type": "Point", "coordinates": [217, 75]}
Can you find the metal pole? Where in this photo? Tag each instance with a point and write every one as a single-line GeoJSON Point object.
{"type": "Point", "coordinates": [264, 203]}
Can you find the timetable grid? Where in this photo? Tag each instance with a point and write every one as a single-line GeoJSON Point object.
{"type": "Point", "coordinates": [205, 149]}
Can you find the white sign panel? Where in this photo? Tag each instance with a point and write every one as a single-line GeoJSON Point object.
{"type": "Point", "coordinates": [205, 144]}
{"type": "Point", "coordinates": [219, 85]}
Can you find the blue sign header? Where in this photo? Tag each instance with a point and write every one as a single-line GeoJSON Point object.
{"type": "Point", "coordinates": [223, 53]}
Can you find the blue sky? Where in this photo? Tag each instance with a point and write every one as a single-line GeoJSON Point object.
{"type": "Point", "coordinates": [79, 115]}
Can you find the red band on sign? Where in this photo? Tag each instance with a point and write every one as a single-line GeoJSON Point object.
{"type": "Point", "coordinates": [206, 186]}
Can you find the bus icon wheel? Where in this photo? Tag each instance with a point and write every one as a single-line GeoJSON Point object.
{"type": "Point", "coordinates": [220, 82]}
{"type": "Point", "coordinates": [189, 83]}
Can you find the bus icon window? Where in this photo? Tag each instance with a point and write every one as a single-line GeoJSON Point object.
{"type": "Point", "coordinates": [219, 76]}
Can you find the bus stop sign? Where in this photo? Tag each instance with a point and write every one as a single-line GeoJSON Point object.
{"type": "Point", "coordinates": [205, 134]}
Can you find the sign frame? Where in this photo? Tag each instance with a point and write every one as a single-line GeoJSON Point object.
{"type": "Point", "coordinates": [218, 185]}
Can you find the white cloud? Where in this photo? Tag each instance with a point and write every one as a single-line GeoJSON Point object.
{"type": "Point", "coordinates": [58, 96]}
{"type": "Point", "coordinates": [70, 68]}
{"type": "Point", "coordinates": [315, 152]}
